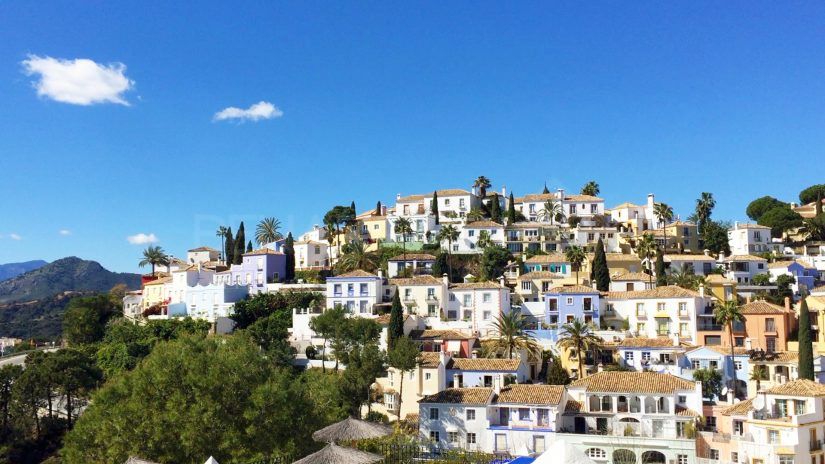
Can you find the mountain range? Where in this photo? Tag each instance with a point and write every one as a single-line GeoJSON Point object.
{"type": "Point", "coordinates": [7, 271]}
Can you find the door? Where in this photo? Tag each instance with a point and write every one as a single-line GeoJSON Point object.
{"type": "Point", "coordinates": [501, 442]}
{"type": "Point", "coordinates": [538, 443]}
{"type": "Point", "coordinates": [504, 416]}
{"type": "Point", "coordinates": [543, 417]}
{"type": "Point", "coordinates": [580, 425]}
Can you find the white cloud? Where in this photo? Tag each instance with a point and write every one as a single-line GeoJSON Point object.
{"type": "Point", "coordinates": [258, 111]}
{"type": "Point", "coordinates": [64, 232]}
{"type": "Point", "coordinates": [80, 81]}
{"type": "Point", "coordinates": [14, 236]}
{"type": "Point", "coordinates": [142, 239]}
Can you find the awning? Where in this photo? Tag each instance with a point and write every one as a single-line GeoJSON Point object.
{"type": "Point", "coordinates": [662, 315]}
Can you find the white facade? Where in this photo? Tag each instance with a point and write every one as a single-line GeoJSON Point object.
{"type": "Point", "coordinates": [475, 307]}
{"type": "Point", "coordinates": [311, 255]}
{"type": "Point", "coordinates": [469, 234]}
{"type": "Point", "coordinates": [747, 239]}
{"type": "Point", "coordinates": [358, 292]}
{"type": "Point", "coordinates": [132, 305]}
{"type": "Point", "coordinates": [661, 312]}
{"type": "Point", "coordinates": [202, 255]}
{"type": "Point", "coordinates": [213, 301]}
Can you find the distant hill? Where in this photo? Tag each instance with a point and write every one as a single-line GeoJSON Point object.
{"type": "Point", "coordinates": [7, 271]}
{"type": "Point", "coordinates": [63, 275]}
{"type": "Point", "coordinates": [40, 319]}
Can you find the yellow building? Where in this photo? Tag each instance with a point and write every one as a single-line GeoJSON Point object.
{"type": "Point", "coordinates": [721, 288]}
{"type": "Point", "coordinates": [155, 292]}
{"type": "Point", "coordinates": [681, 237]}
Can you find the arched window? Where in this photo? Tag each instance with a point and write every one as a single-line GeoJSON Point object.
{"type": "Point", "coordinates": [650, 405]}
{"type": "Point", "coordinates": [653, 457]}
{"type": "Point", "coordinates": [624, 456]}
{"type": "Point", "coordinates": [596, 453]}
{"type": "Point", "coordinates": [621, 404]}
{"type": "Point", "coordinates": [594, 404]}
{"type": "Point", "coordinates": [607, 404]}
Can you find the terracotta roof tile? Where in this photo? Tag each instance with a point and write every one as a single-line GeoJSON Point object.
{"type": "Point", "coordinates": [482, 224]}
{"type": "Point", "coordinates": [460, 396]}
{"type": "Point", "coordinates": [531, 394]}
{"type": "Point", "coordinates": [669, 291]}
{"type": "Point", "coordinates": [688, 257]}
{"type": "Point", "coordinates": [762, 307]}
{"type": "Point", "coordinates": [484, 364]}
{"type": "Point", "coordinates": [630, 276]}
{"type": "Point", "coordinates": [633, 382]}
{"type": "Point", "coordinates": [744, 258]}
{"type": "Point", "coordinates": [476, 285]}
{"type": "Point", "coordinates": [355, 273]}
{"type": "Point", "coordinates": [640, 342]}
{"type": "Point", "coordinates": [686, 412]}
{"type": "Point", "coordinates": [417, 281]}
{"type": "Point", "coordinates": [582, 198]}
{"type": "Point", "coordinates": [572, 406]}
{"type": "Point", "coordinates": [574, 289]}
{"type": "Point", "coordinates": [547, 259]}
{"type": "Point", "coordinates": [203, 248]}
{"type": "Point", "coordinates": [429, 334]}
{"type": "Point", "coordinates": [429, 359]}
{"type": "Point", "coordinates": [801, 387]}
{"type": "Point", "coordinates": [413, 257]}
{"type": "Point", "coordinates": [535, 275]}
{"type": "Point", "coordinates": [781, 357]}
{"type": "Point", "coordinates": [739, 409]}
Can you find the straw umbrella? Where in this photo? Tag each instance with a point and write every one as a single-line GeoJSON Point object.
{"type": "Point", "coordinates": [351, 429]}
{"type": "Point", "coordinates": [334, 454]}
{"type": "Point", "coordinates": [134, 460]}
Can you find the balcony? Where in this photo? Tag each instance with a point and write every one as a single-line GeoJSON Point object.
{"type": "Point", "coordinates": [432, 298]}
{"type": "Point", "coordinates": [816, 445]}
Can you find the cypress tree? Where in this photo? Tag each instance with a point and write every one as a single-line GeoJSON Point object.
{"type": "Point", "coordinates": [818, 206]}
{"type": "Point", "coordinates": [661, 276]}
{"type": "Point", "coordinates": [396, 327]}
{"type": "Point", "coordinates": [806, 346]}
{"type": "Point", "coordinates": [240, 239]}
{"type": "Point", "coordinates": [352, 207]}
{"type": "Point", "coordinates": [249, 246]}
{"type": "Point", "coordinates": [289, 251]}
{"type": "Point", "coordinates": [434, 207]}
{"type": "Point", "coordinates": [545, 191]}
{"type": "Point", "coordinates": [495, 209]}
{"type": "Point", "coordinates": [378, 208]}
{"type": "Point", "coordinates": [599, 272]}
{"type": "Point", "coordinates": [229, 247]}
{"type": "Point", "coordinates": [511, 211]}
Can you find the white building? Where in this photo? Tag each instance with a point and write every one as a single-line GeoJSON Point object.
{"type": "Point", "coordinates": [470, 233]}
{"type": "Point", "coordinates": [660, 354]}
{"type": "Point", "coordinates": [131, 305]}
{"type": "Point", "coordinates": [214, 301]}
{"type": "Point", "coordinates": [475, 306]}
{"type": "Point", "coordinates": [358, 291]}
{"type": "Point", "coordinates": [410, 264]}
{"type": "Point", "coordinates": [743, 268]}
{"type": "Point", "coordinates": [747, 239]}
{"type": "Point", "coordinates": [660, 312]}
{"type": "Point", "coordinates": [202, 255]}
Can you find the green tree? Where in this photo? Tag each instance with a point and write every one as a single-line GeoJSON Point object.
{"type": "Point", "coordinates": [551, 211]}
{"type": "Point", "coordinates": [715, 238]}
{"type": "Point", "coordinates": [814, 227]}
{"type": "Point", "coordinates": [378, 209]}
{"type": "Point", "coordinates": [495, 209]}
{"type": "Point", "coordinates": [579, 337]}
{"type": "Point", "coordinates": [403, 356]}
{"type": "Point", "coordinates": [272, 335]}
{"type": "Point", "coordinates": [704, 207]}
{"type": "Point", "coordinates": [154, 256]}
{"type": "Point", "coordinates": [218, 395]}
{"type": "Point", "coordinates": [812, 194]}
{"type": "Point", "coordinates": [434, 207]}
{"type": "Point", "coordinates": [575, 255]}
{"type": "Point", "coordinates": [229, 247]}
{"type": "Point", "coordinates": [221, 233]}
{"type": "Point", "coordinates": [757, 208]}
{"type": "Point", "coordinates": [325, 325]}
{"type": "Point", "coordinates": [85, 318]}
{"type": "Point", "coordinates": [512, 333]}
{"type": "Point", "coordinates": [806, 347]}
{"type": "Point", "coordinates": [728, 313]}
{"type": "Point", "coordinates": [475, 214]}
{"type": "Point", "coordinates": [357, 257]}
{"type": "Point", "coordinates": [364, 365]}
{"type": "Point", "coordinates": [484, 239]}
{"type": "Point", "coordinates": [556, 373]}
{"type": "Point", "coordinates": [249, 248]}
{"type": "Point", "coordinates": [403, 227]}
{"type": "Point", "coordinates": [661, 275]}
{"type": "Point", "coordinates": [280, 304]}
{"type": "Point", "coordinates": [646, 249]}
{"type": "Point", "coordinates": [396, 327]}
{"type": "Point", "coordinates": [665, 214]}
{"type": "Point", "coordinates": [711, 382]}
{"type": "Point", "coordinates": [591, 188]}
{"type": "Point", "coordinates": [511, 210]}
{"type": "Point", "coordinates": [8, 376]}
{"type": "Point", "coordinates": [758, 374]}
{"type": "Point", "coordinates": [546, 190]}
{"type": "Point", "coordinates": [599, 272]}
{"type": "Point", "coordinates": [448, 234]}
{"type": "Point", "coordinates": [482, 184]}
{"type": "Point", "coordinates": [781, 220]}
{"type": "Point", "coordinates": [494, 260]}
{"type": "Point", "coordinates": [289, 252]}
{"type": "Point", "coordinates": [76, 375]}
{"type": "Point", "coordinates": [268, 231]}
{"type": "Point", "coordinates": [240, 243]}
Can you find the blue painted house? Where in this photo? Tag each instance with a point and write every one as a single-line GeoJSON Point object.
{"type": "Point", "coordinates": [258, 268]}
{"type": "Point", "coordinates": [718, 358]}
{"type": "Point", "coordinates": [564, 304]}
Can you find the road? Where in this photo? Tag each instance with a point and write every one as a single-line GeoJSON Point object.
{"type": "Point", "coordinates": [17, 360]}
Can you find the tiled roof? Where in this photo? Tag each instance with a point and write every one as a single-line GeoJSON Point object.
{"type": "Point", "coordinates": [162, 280]}
{"type": "Point", "coordinates": [355, 273]}
{"type": "Point", "coordinates": [820, 289]}
{"type": "Point", "coordinates": [627, 205]}
{"type": "Point", "coordinates": [723, 350]}
{"type": "Point", "coordinates": [547, 259]}
{"type": "Point", "coordinates": [410, 198]}
{"type": "Point", "coordinates": [573, 289]}
{"type": "Point", "coordinates": [739, 409]}
{"type": "Point", "coordinates": [535, 197]}
{"type": "Point", "coordinates": [762, 307]}
{"type": "Point", "coordinates": [413, 257]}
{"type": "Point", "coordinates": [630, 276]}
{"type": "Point", "coordinates": [622, 257]}
{"type": "Point", "coordinates": [582, 198]}
{"type": "Point", "coordinates": [749, 226]}
{"type": "Point", "coordinates": [482, 224]}
{"type": "Point", "coordinates": [429, 359]}
{"type": "Point", "coordinates": [641, 342]}
{"type": "Point", "coordinates": [784, 264]}
{"type": "Point", "coordinates": [815, 303]}
{"type": "Point", "coordinates": [262, 251]}
{"type": "Point", "coordinates": [688, 257]}
{"type": "Point", "coordinates": [744, 258]}
{"type": "Point", "coordinates": [686, 412]}
{"type": "Point", "coordinates": [450, 193]}
{"type": "Point", "coordinates": [633, 382]}
{"type": "Point", "coordinates": [476, 285]}
{"type": "Point", "coordinates": [781, 357]}
{"type": "Point", "coordinates": [203, 248]}
{"type": "Point", "coordinates": [460, 396]}
{"type": "Point", "coordinates": [530, 394]}
{"type": "Point", "coordinates": [801, 387]}
{"type": "Point", "coordinates": [438, 335]}
{"type": "Point", "coordinates": [669, 291]}
{"type": "Point", "coordinates": [572, 406]}
{"type": "Point", "coordinates": [484, 364]}
{"type": "Point", "coordinates": [718, 279]}
{"type": "Point", "coordinates": [421, 280]}
{"type": "Point", "coordinates": [536, 275]}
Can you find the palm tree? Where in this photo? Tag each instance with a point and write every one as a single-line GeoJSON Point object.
{"type": "Point", "coordinates": [759, 374]}
{"type": "Point", "coordinates": [665, 215]}
{"type": "Point", "coordinates": [684, 278]}
{"type": "Point", "coordinates": [484, 239]}
{"type": "Point", "coordinates": [221, 232]}
{"type": "Point", "coordinates": [704, 206]}
{"type": "Point", "coordinates": [727, 313]}
{"type": "Point", "coordinates": [357, 257]}
{"type": "Point", "coordinates": [646, 250]}
{"type": "Point", "coordinates": [482, 184]}
{"type": "Point", "coordinates": [154, 256]}
{"type": "Point", "coordinates": [403, 227]}
{"type": "Point", "coordinates": [551, 211]}
{"type": "Point", "coordinates": [575, 255]}
{"type": "Point", "coordinates": [268, 231]}
{"type": "Point", "coordinates": [814, 228]}
{"type": "Point", "coordinates": [512, 333]}
{"type": "Point", "coordinates": [591, 188]}
{"type": "Point", "coordinates": [330, 230]}
{"type": "Point", "coordinates": [475, 214]}
{"type": "Point", "coordinates": [578, 336]}
{"type": "Point", "coordinates": [449, 234]}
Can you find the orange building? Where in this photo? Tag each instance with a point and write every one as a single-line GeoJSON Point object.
{"type": "Point", "coordinates": [766, 327]}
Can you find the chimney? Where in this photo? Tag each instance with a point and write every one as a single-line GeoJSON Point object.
{"type": "Point", "coordinates": [706, 252]}
{"type": "Point", "coordinates": [446, 279]}
{"type": "Point", "coordinates": [675, 338]}
{"type": "Point", "coordinates": [497, 385]}
{"type": "Point", "coordinates": [788, 303]}
{"type": "Point", "coordinates": [702, 290]}
{"type": "Point", "coordinates": [383, 210]}
{"type": "Point", "coordinates": [735, 225]}
{"type": "Point", "coordinates": [381, 273]}
{"type": "Point", "coordinates": [397, 196]}
{"type": "Point", "coordinates": [504, 191]}
{"type": "Point", "coordinates": [473, 190]}
{"type": "Point", "coordinates": [748, 344]}
{"type": "Point", "coordinates": [560, 193]}
{"type": "Point", "coordinates": [442, 357]}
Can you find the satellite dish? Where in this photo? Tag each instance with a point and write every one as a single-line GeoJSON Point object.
{"type": "Point", "coordinates": [759, 402]}
{"type": "Point", "coordinates": [724, 391]}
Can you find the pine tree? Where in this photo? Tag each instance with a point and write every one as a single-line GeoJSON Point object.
{"type": "Point", "coordinates": [240, 240]}
{"type": "Point", "coordinates": [289, 251]}
{"type": "Point", "coordinates": [229, 247]}
{"type": "Point", "coordinates": [511, 211]}
{"type": "Point", "coordinates": [599, 272]}
{"type": "Point", "coordinates": [396, 328]}
{"type": "Point", "coordinates": [661, 275]}
{"type": "Point", "coordinates": [495, 209]}
{"type": "Point", "coordinates": [249, 246]}
{"type": "Point", "coordinates": [806, 347]}
{"type": "Point", "coordinates": [434, 207]}
{"type": "Point", "coordinates": [545, 191]}
{"type": "Point", "coordinates": [556, 374]}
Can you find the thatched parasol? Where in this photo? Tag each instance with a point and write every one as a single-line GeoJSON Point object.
{"type": "Point", "coordinates": [334, 454]}
{"type": "Point", "coordinates": [134, 460]}
{"type": "Point", "coordinates": [351, 429]}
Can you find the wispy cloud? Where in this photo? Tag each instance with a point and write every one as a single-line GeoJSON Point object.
{"type": "Point", "coordinates": [64, 232]}
{"type": "Point", "coordinates": [80, 81]}
{"type": "Point", "coordinates": [14, 236]}
{"type": "Point", "coordinates": [256, 112]}
{"type": "Point", "coordinates": [142, 239]}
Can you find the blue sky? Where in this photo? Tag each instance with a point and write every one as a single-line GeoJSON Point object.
{"type": "Point", "coordinates": [383, 97]}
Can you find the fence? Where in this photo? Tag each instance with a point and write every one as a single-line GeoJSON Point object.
{"type": "Point", "coordinates": [413, 453]}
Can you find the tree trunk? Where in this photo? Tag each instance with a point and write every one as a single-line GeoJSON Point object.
{"type": "Point", "coordinates": [449, 261]}
{"type": "Point", "coordinates": [324, 357]}
{"type": "Point", "coordinates": [400, 394]}
{"type": "Point", "coordinates": [581, 363]}
{"type": "Point", "coordinates": [732, 359]}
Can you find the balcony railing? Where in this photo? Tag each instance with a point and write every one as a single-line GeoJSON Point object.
{"type": "Point", "coordinates": [816, 445]}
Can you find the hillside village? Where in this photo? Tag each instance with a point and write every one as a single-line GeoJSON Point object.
{"type": "Point", "coordinates": [671, 339]}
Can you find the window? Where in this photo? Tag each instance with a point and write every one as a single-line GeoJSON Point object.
{"type": "Point", "coordinates": [799, 407]}
{"type": "Point", "coordinates": [588, 304]}
{"type": "Point", "coordinates": [432, 310]}
{"type": "Point", "coordinates": [683, 309]}
{"type": "Point", "coordinates": [523, 414]}
{"type": "Point", "coordinates": [569, 301]}
{"type": "Point", "coordinates": [428, 375]}
{"type": "Point", "coordinates": [641, 328]}
{"type": "Point", "coordinates": [628, 356]}
{"type": "Point", "coordinates": [734, 456]}
{"type": "Point", "coordinates": [640, 309]}
{"type": "Point", "coordinates": [434, 436]}
{"type": "Point", "coordinates": [471, 233]}
{"type": "Point", "coordinates": [660, 306]}
{"type": "Point", "coordinates": [317, 249]}
{"type": "Point", "coordinates": [710, 421]}
{"type": "Point", "coordinates": [467, 299]}
{"type": "Point", "coordinates": [770, 325]}
{"type": "Point", "coordinates": [786, 459]}
{"type": "Point", "coordinates": [714, 454]}
{"type": "Point", "coordinates": [487, 315]}
{"type": "Point", "coordinates": [471, 414]}
{"type": "Point", "coordinates": [773, 437]}
{"type": "Point", "coordinates": [681, 399]}
{"type": "Point", "coordinates": [471, 439]}
{"type": "Point", "coordinates": [433, 413]}
{"type": "Point", "coordinates": [389, 401]}
{"type": "Point", "coordinates": [553, 304]}
{"type": "Point", "coordinates": [363, 307]}
{"type": "Point", "coordinates": [770, 343]}
{"type": "Point", "coordinates": [452, 437]}
{"type": "Point", "coordinates": [526, 285]}
{"type": "Point", "coordinates": [350, 289]}
{"type": "Point", "coordinates": [486, 297]}
{"type": "Point", "coordinates": [364, 291]}
{"type": "Point", "coordinates": [596, 453]}
{"type": "Point", "coordinates": [737, 365]}
{"type": "Point", "coordinates": [645, 355]}
{"type": "Point", "coordinates": [684, 329]}
{"type": "Point", "coordinates": [682, 459]}
{"type": "Point", "coordinates": [713, 364]}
